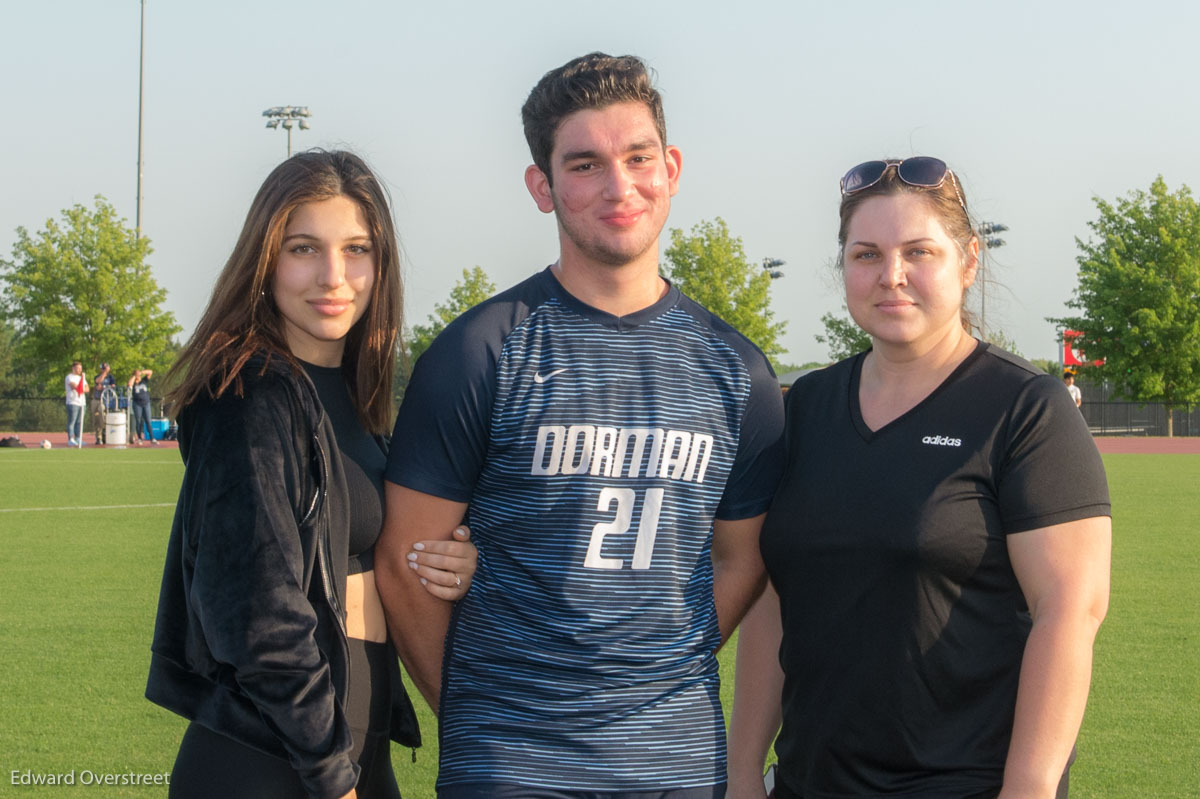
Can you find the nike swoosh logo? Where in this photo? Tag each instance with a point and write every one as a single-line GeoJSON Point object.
{"type": "Point", "coordinates": [539, 378]}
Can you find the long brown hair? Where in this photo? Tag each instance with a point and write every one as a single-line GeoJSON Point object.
{"type": "Point", "coordinates": [241, 318]}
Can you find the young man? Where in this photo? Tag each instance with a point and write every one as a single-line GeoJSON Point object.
{"type": "Point", "coordinates": [1072, 389]}
{"type": "Point", "coordinates": [613, 447]}
{"type": "Point", "coordinates": [104, 379]}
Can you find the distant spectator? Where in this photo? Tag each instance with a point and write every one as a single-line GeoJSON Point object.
{"type": "Point", "coordinates": [104, 379]}
{"type": "Point", "coordinates": [76, 388]}
{"type": "Point", "coordinates": [139, 400]}
{"type": "Point", "coordinates": [1072, 389]}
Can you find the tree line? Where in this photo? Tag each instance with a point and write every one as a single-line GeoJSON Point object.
{"type": "Point", "coordinates": [82, 288]}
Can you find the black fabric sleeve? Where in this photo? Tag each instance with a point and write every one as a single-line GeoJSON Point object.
{"type": "Point", "coordinates": [1052, 472]}
{"type": "Point", "coordinates": [760, 458]}
{"type": "Point", "coordinates": [244, 497]}
{"type": "Point", "coordinates": [440, 439]}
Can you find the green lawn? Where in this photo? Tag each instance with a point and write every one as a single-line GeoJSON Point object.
{"type": "Point", "coordinates": [79, 585]}
{"type": "Point", "coordinates": [1141, 734]}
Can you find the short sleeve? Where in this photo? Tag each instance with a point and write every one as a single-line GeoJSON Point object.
{"type": "Point", "coordinates": [758, 465]}
{"type": "Point", "coordinates": [440, 439]}
{"type": "Point", "coordinates": [1051, 471]}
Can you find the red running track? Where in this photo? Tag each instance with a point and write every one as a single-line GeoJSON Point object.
{"type": "Point", "coordinates": [59, 441]}
{"type": "Point", "coordinates": [1149, 445]}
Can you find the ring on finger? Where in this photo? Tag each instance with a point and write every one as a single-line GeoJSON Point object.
{"type": "Point", "coordinates": [457, 581]}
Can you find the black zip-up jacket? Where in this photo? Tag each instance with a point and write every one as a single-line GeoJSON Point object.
{"type": "Point", "coordinates": [250, 638]}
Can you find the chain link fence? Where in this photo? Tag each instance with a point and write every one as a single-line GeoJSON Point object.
{"type": "Point", "coordinates": [1109, 415]}
{"type": "Point", "coordinates": [45, 414]}
{"type": "Point", "coordinates": [41, 414]}
{"type": "Point", "coordinates": [1132, 419]}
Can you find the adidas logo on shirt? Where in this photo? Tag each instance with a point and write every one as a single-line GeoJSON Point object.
{"type": "Point", "coordinates": [942, 441]}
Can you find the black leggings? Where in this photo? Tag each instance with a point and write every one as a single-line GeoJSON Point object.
{"type": "Point", "coordinates": [211, 765]}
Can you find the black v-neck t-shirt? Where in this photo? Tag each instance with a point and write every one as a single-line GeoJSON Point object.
{"type": "Point", "coordinates": [903, 622]}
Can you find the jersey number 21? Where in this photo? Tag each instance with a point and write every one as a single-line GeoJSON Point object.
{"type": "Point", "coordinates": [626, 498]}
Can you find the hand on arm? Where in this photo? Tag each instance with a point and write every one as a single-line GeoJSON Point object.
{"type": "Point", "coordinates": [757, 694]}
{"type": "Point", "coordinates": [738, 572]}
{"type": "Point", "coordinates": [445, 568]}
{"type": "Point", "coordinates": [417, 619]}
{"type": "Point", "coordinates": [1064, 573]}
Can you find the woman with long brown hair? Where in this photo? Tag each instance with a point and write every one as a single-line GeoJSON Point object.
{"type": "Point", "coordinates": [270, 635]}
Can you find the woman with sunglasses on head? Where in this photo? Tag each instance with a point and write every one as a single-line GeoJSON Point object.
{"type": "Point", "coordinates": [939, 547]}
{"type": "Point", "coordinates": [270, 635]}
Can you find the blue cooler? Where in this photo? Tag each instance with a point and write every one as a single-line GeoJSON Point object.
{"type": "Point", "coordinates": [159, 428]}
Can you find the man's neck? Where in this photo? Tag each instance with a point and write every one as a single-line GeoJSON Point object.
{"type": "Point", "coordinates": [618, 290]}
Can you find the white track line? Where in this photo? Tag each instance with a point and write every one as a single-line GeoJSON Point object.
{"type": "Point", "coordinates": [94, 507]}
{"type": "Point", "coordinates": [105, 464]}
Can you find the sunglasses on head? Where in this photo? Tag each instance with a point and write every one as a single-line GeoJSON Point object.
{"type": "Point", "coordinates": [921, 171]}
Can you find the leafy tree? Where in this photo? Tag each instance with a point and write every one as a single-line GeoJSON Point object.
{"type": "Point", "coordinates": [1138, 298]}
{"type": "Point", "coordinates": [1048, 366]}
{"type": "Point", "coordinates": [710, 266]}
{"type": "Point", "coordinates": [846, 338]}
{"type": "Point", "coordinates": [81, 289]}
{"type": "Point", "coordinates": [843, 336]}
{"type": "Point", "coordinates": [8, 335]}
{"type": "Point", "coordinates": [9, 380]}
{"type": "Point", "coordinates": [472, 289]}
{"type": "Point", "coordinates": [1002, 341]}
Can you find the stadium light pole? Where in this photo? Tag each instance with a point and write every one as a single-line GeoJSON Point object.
{"type": "Point", "coordinates": [287, 117]}
{"type": "Point", "coordinates": [988, 241]}
{"type": "Point", "coordinates": [772, 267]}
{"type": "Point", "coordinates": [137, 232]}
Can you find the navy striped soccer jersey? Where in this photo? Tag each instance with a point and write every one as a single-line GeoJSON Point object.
{"type": "Point", "coordinates": [595, 452]}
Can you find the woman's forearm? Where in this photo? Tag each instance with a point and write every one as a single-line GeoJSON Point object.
{"type": "Point", "coordinates": [758, 687]}
{"type": "Point", "coordinates": [1055, 676]}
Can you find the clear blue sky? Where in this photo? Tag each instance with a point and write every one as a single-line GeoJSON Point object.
{"type": "Point", "coordinates": [1037, 106]}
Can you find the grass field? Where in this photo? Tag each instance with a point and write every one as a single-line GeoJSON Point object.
{"type": "Point", "coordinates": [84, 532]}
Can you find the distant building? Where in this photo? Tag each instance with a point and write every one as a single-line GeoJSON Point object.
{"type": "Point", "coordinates": [787, 378]}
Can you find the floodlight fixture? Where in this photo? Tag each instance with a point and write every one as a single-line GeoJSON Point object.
{"type": "Point", "coordinates": [990, 242]}
{"type": "Point", "coordinates": [288, 117]}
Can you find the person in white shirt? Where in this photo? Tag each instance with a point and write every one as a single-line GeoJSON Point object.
{"type": "Point", "coordinates": [76, 389]}
{"type": "Point", "coordinates": [1073, 389]}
